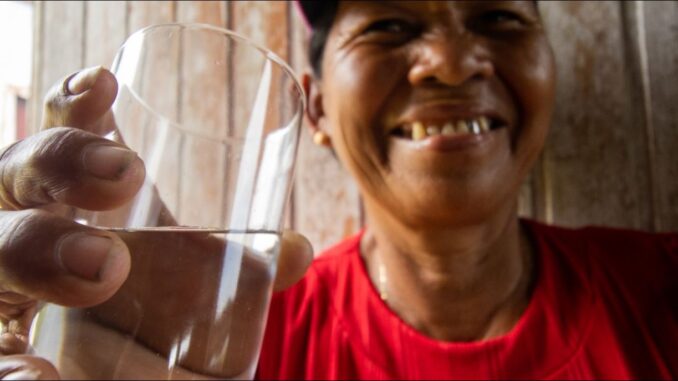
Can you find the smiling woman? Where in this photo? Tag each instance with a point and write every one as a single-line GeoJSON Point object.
{"type": "Point", "coordinates": [601, 123]}
{"type": "Point", "coordinates": [439, 73]}
{"type": "Point", "coordinates": [438, 110]}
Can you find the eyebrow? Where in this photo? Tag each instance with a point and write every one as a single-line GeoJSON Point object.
{"type": "Point", "coordinates": [399, 3]}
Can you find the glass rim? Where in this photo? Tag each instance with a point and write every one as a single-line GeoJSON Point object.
{"type": "Point", "coordinates": [269, 54]}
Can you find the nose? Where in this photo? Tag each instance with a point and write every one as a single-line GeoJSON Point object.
{"type": "Point", "coordinates": [450, 58]}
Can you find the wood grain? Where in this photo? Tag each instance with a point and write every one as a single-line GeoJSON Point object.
{"type": "Point", "coordinates": [104, 31]}
{"type": "Point", "coordinates": [203, 108]}
{"type": "Point", "coordinates": [206, 12]}
{"type": "Point", "coordinates": [141, 14]}
{"type": "Point", "coordinates": [264, 23]}
{"type": "Point", "coordinates": [34, 111]}
{"type": "Point", "coordinates": [596, 156]}
{"type": "Point", "coordinates": [61, 41]}
{"type": "Point", "coordinates": [661, 36]}
{"type": "Point", "coordinates": [160, 86]}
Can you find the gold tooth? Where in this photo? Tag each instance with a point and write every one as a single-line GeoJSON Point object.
{"type": "Point", "coordinates": [476, 126]}
{"type": "Point", "coordinates": [462, 127]}
{"type": "Point", "coordinates": [418, 131]}
{"type": "Point", "coordinates": [484, 123]}
{"type": "Point", "coordinates": [448, 129]}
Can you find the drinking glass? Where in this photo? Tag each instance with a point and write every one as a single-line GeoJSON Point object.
{"type": "Point", "coordinates": [216, 119]}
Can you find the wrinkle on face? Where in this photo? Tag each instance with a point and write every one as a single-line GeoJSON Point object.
{"type": "Point", "coordinates": [366, 89]}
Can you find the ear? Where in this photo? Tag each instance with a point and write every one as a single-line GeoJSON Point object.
{"type": "Point", "coordinates": [315, 113]}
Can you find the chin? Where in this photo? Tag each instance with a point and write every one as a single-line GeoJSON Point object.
{"type": "Point", "coordinates": [457, 210]}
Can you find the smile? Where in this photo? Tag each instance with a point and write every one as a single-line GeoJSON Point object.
{"type": "Point", "coordinates": [420, 130]}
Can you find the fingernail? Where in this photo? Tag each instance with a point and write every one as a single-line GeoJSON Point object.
{"type": "Point", "coordinates": [83, 254]}
{"type": "Point", "coordinates": [107, 162]}
{"type": "Point", "coordinates": [84, 80]}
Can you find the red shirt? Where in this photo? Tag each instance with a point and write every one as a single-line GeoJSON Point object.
{"type": "Point", "coordinates": [604, 305]}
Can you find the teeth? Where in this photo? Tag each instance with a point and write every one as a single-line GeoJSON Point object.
{"type": "Point", "coordinates": [432, 130]}
{"type": "Point", "coordinates": [418, 131]}
{"type": "Point", "coordinates": [474, 126]}
{"type": "Point", "coordinates": [462, 127]}
{"type": "Point", "coordinates": [484, 123]}
{"type": "Point", "coordinates": [448, 129]}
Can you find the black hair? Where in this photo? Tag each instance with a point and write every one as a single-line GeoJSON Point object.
{"type": "Point", "coordinates": [321, 29]}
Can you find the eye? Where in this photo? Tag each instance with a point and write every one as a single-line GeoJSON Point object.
{"type": "Point", "coordinates": [391, 26]}
{"type": "Point", "coordinates": [500, 19]}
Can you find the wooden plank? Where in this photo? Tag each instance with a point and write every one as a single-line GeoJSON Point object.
{"type": "Point", "coordinates": [160, 90]}
{"type": "Point", "coordinates": [203, 107]}
{"type": "Point", "coordinates": [144, 13]}
{"type": "Point", "coordinates": [326, 200]}
{"type": "Point", "coordinates": [61, 50]}
{"type": "Point", "coordinates": [34, 111]}
{"type": "Point", "coordinates": [203, 81]}
{"type": "Point", "coordinates": [104, 31]}
{"type": "Point", "coordinates": [596, 158]}
{"type": "Point", "coordinates": [266, 24]}
{"type": "Point", "coordinates": [205, 12]}
{"type": "Point", "coordinates": [660, 20]}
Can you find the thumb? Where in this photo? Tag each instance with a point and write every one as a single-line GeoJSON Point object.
{"type": "Point", "coordinates": [82, 100]}
{"type": "Point", "coordinates": [296, 254]}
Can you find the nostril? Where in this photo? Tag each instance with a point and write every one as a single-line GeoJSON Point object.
{"type": "Point", "coordinates": [429, 80]}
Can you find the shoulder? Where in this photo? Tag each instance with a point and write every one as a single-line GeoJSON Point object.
{"type": "Point", "coordinates": [620, 263]}
{"type": "Point", "coordinates": [618, 247]}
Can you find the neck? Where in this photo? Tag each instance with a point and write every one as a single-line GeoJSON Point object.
{"type": "Point", "coordinates": [455, 283]}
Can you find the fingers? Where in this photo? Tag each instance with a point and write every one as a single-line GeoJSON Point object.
{"type": "Point", "coordinates": [68, 166]}
{"type": "Point", "coordinates": [44, 257]}
{"type": "Point", "coordinates": [82, 100]}
{"type": "Point", "coordinates": [296, 254]}
{"type": "Point", "coordinates": [26, 367]}
{"type": "Point", "coordinates": [11, 344]}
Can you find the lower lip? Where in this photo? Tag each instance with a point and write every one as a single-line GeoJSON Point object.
{"type": "Point", "coordinates": [446, 143]}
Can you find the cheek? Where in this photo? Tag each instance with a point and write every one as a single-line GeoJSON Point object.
{"type": "Point", "coordinates": [362, 84]}
{"type": "Point", "coordinates": [530, 75]}
{"type": "Point", "coordinates": [366, 79]}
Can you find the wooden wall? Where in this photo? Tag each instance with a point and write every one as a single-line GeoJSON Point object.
{"type": "Point", "coordinates": [610, 158]}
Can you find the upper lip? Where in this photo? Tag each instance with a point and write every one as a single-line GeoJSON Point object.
{"type": "Point", "coordinates": [441, 112]}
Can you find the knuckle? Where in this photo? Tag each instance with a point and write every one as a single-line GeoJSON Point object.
{"type": "Point", "coordinates": [58, 142]}
{"type": "Point", "coordinates": [7, 200]}
{"type": "Point", "coordinates": [37, 169]}
{"type": "Point", "coordinates": [54, 99]}
{"type": "Point", "coordinates": [19, 232]}
{"type": "Point", "coordinates": [55, 104]}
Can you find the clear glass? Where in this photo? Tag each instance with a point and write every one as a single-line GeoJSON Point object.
{"type": "Point", "coordinates": [216, 120]}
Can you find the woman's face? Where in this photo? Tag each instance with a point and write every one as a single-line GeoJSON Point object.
{"type": "Point", "coordinates": [438, 109]}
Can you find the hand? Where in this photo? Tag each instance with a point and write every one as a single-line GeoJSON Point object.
{"type": "Point", "coordinates": [46, 257]}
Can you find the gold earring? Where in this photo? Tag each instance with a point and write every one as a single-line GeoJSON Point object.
{"type": "Point", "coordinates": [320, 138]}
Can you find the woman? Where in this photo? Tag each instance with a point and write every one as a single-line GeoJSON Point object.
{"type": "Point", "coordinates": [438, 110]}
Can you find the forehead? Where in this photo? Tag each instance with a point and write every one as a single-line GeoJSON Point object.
{"type": "Point", "coordinates": [428, 7]}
